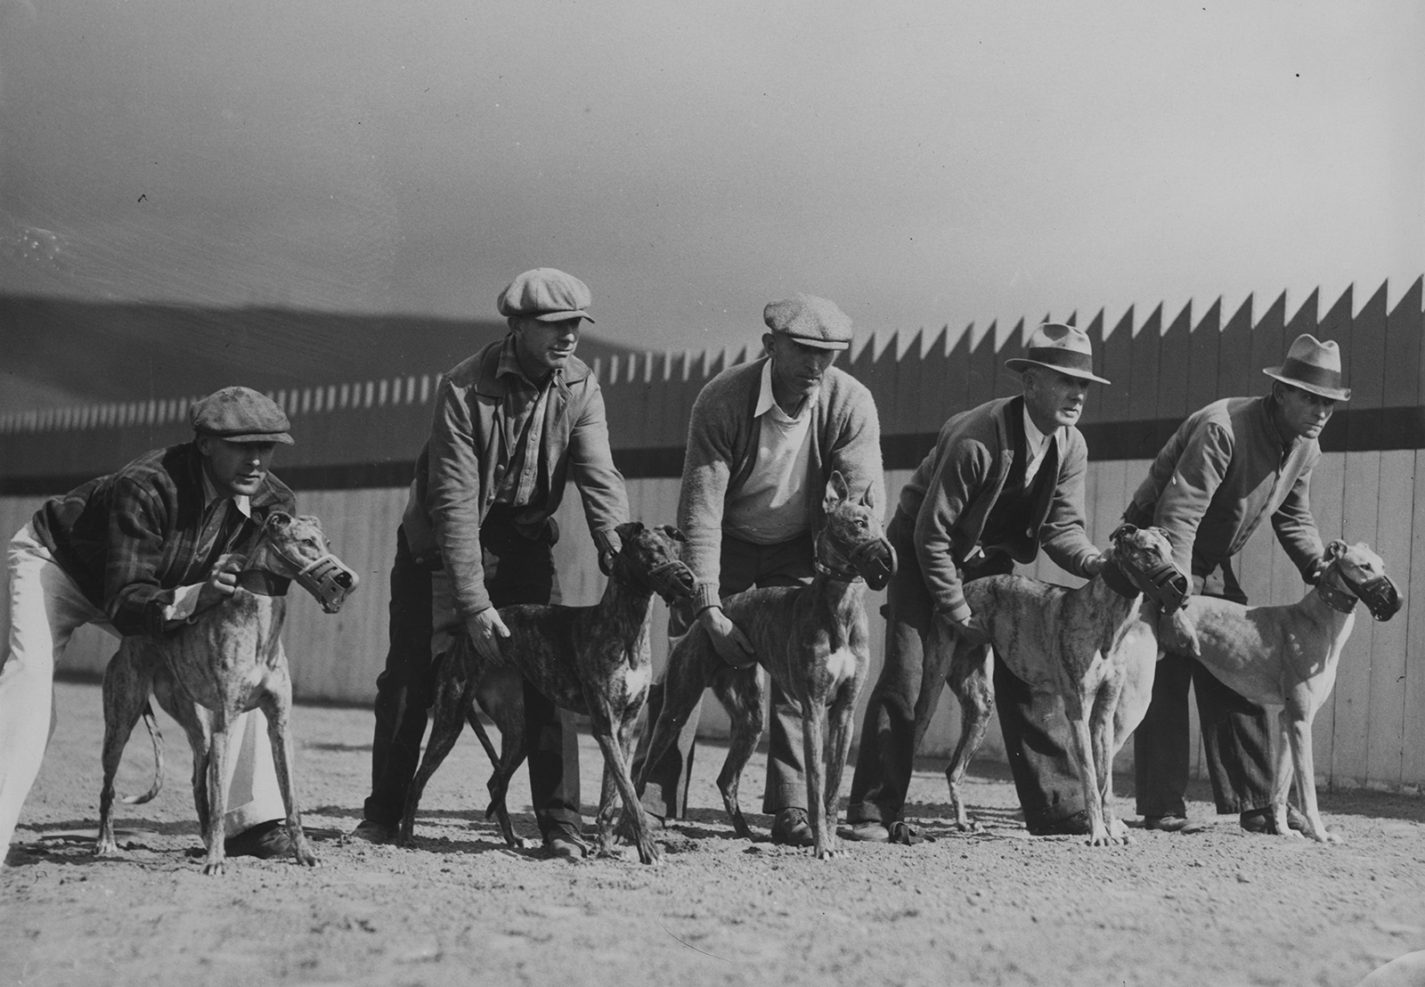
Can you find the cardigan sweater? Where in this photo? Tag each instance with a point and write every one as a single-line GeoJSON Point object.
{"type": "Point", "coordinates": [955, 487]}
{"type": "Point", "coordinates": [845, 435]}
{"type": "Point", "coordinates": [1225, 469]}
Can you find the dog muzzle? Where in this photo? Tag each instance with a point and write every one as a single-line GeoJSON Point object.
{"type": "Point", "coordinates": [672, 580]}
{"type": "Point", "coordinates": [1380, 596]}
{"type": "Point", "coordinates": [1163, 583]}
{"type": "Point", "coordinates": [329, 580]}
{"type": "Point", "coordinates": [875, 561]}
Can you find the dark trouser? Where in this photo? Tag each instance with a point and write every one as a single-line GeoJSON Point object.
{"type": "Point", "coordinates": [1235, 733]}
{"type": "Point", "coordinates": [744, 565]}
{"type": "Point", "coordinates": [517, 570]}
{"type": "Point", "coordinates": [1034, 727]}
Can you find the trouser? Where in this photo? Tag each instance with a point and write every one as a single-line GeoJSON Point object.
{"type": "Point", "coordinates": [1236, 736]}
{"type": "Point", "coordinates": [744, 565]}
{"type": "Point", "coordinates": [46, 608]}
{"type": "Point", "coordinates": [423, 623]}
{"type": "Point", "coordinates": [1034, 727]}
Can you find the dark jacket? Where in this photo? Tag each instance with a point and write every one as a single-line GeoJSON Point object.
{"type": "Point", "coordinates": [130, 538]}
{"type": "Point", "coordinates": [471, 445]}
{"type": "Point", "coordinates": [952, 491]}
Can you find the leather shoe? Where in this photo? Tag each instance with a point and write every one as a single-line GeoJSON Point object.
{"type": "Point", "coordinates": [1076, 824]}
{"type": "Point", "coordinates": [265, 840]}
{"type": "Point", "coordinates": [1172, 823]}
{"type": "Point", "coordinates": [564, 846]}
{"type": "Point", "coordinates": [1261, 821]}
{"type": "Point", "coordinates": [791, 828]}
{"type": "Point", "coordinates": [374, 832]}
{"type": "Point", "coordinates": [869, 831]}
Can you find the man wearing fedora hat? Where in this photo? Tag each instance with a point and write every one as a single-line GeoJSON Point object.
{"type": "Point", "coordinates": [1227, 468]}
{"type": "Point", "coordinates": [135, 552]}
{"type": "Point", "coordinates": [1003, 480]}
{"type": "Point", "coordinates": [763, 441]}
{"type": "Point", "coordinates": [513, 425]}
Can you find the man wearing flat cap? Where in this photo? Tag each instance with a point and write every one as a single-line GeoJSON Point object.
{"type": "Point", "coordinates": [513, 425]}
{"type": "Point", "coordinates": [135, 552]}
{"type": "Point", "coordinates": [1003, 480]}
{"type": "Point", "coordinates": [763, 441]}
{"type": "Point", "coordinates": [1229, 467]}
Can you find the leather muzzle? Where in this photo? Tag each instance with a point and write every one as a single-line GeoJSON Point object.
{"type": "Point", "coordinates": [1380, 596]}
{"type": "Point", "coordinates": [875, 562]}
{"type": "Point", "coordinates": [672, 580]}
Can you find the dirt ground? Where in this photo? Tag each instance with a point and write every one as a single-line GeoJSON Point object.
{"type": "Point", "coordinates": [1223, 907]}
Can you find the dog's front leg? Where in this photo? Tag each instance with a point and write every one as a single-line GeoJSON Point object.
{"type": "Point", "coordinates": [126, 690]}
{"type": "Point", "coordinates": [1297, 727]}
{"type": "Point", "coordinates": [217, 796]}
{"type": "Point", "coordinates": [840, 722]}
{"type": "Point", "coordinates": [617, 778]}
{"type": "Point", "coordinates": [1081, 749]}
{"type": "Point", "coordinates": [813, 723]}
{"type": "Point", "coordinates": [277, 705]}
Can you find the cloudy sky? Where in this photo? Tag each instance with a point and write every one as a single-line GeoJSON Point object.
{"type": "Point", "coordinates": [921, 163]}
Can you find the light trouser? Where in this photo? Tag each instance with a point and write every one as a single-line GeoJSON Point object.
{"type": "Point", "coordinates": [46, 608]}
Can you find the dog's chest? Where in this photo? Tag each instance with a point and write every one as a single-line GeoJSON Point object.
{"type": "Point", "coordinates": [841, 665]}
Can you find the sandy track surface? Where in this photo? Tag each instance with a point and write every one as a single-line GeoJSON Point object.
{"type": "Point", "coordinates": [999, 907]}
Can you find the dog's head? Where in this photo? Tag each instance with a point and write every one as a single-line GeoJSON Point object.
{"type": "Point", "coordinates": [650, 558]}
{"type": "Point", "coordinates": [296, 548]}
{"type": "Point", "coordinates": [1145, 556]}
{"type": "Point", "coordinates": [1361, 572]}
{"type": "Point", "coordinates": [851, 543]}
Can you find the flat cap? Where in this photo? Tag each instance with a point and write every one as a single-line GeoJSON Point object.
{"type": "Point", "coordinates": [546, 294]}
{"type": "Point", "coordinates": [240, 414]}
{"type": "Point", "coordinates": [811, 321]}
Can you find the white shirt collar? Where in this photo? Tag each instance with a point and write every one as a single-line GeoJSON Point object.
{"type": "Point", "coordinates": [210, 494]}
{"type": "Point", "coordinates": [766, 400]}
{"type": "Point", "coordinates": [1035, 440]}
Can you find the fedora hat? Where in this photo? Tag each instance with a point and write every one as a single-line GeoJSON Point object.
{"type": "Point", "coordinates": [1313, 366]}
{"type": "Point", "coordinates": [1061, 348]}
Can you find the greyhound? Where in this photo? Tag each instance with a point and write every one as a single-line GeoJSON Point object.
{"type": "Point", "coordinates": [1284, 658]}
{"type": "Point", "coordinates": [592, 660]}
{"type": "Point", "coordinates": [813, 641]}
{"type": "Point", "coordinates": [228, 661]}
{"type": "Point", "coordinates": [1095, 646]}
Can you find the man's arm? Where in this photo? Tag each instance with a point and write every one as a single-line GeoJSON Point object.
{"type": "Point", "coordinates": [1065, 536]}
{"type": "Point", "coordinates": [961, 469]}
{"type": "Point", "coordinates": [1296, 527]}
{"type": "Point", "coordinates": [591, 462]}
{"type": "Point", "coordinates": [856, 449]}
{"type": "Point", "coordinates": [1187, 495]}
{"type": "Point", "coordinates": [453, 492]}
{"type": "Point", "coordinates": [133, 598]}
{"type": "Point", "coordinates": [707, 468]}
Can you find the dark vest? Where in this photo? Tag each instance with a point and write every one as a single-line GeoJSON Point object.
{"type": "Point", "coordinates": [1007, 525]}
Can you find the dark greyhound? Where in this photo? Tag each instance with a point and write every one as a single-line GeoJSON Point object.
{"type": "Point", "coordinates": [228, 661]}
{"type": "Point", "coordinates": [591, 660]}
{"type": "Point", "coordinates": [812, 639]}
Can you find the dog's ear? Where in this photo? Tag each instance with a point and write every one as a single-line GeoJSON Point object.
{"type": "Point", "coordinates": [629, 529]}
{"type": "Point", "coordinates": [1335, 549]}
{"type": "Point", "coordinates": [1122, 531]}
{"type": "Point", "coordinates": [279, 520]}
{"type": "Point", "coordinates": [837, 490]}
{"type": "Point", "coordinates": [674, 533]}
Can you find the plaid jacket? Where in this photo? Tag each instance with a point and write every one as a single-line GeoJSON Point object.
{"type": "Point", "coordinates": [130, 538]}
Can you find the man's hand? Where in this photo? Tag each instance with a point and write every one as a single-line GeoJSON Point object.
{"type": "Point", "coordinates": [221, 584]}
{"type": "Point", "coordinates": [972, 630]}
{"type": "Point", "coordinates": [1095, 565]}
{"type": "Point", "coordinates": [730, 643]}
{"type": "Point", "coordinates": [484, 629]}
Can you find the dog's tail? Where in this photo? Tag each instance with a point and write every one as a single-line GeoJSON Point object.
{"type": "Point", "coordinates": [157, 739]}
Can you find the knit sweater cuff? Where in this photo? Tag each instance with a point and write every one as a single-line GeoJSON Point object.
{"type": "Point", "coordinates": [704, 596]}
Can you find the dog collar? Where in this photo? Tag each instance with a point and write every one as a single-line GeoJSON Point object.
{"type": "Point", "coordinates": [847, 575]}
{"type": "Point", "coordinates": [1338, 598]}
{"type": "Point", "coordinates": [1117, 580]}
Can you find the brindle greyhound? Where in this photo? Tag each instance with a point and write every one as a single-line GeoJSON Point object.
{"type": "Point", "coordinates": [228, 661]}
{"type": "Point", "coordinates": [1284, 659]}
{"type": "Point", "coordinates": [1095, 646]}
{"type": "Point", "coordinates": [813, 641]}
{"type": "Point", "coordinates": [591, 660]}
